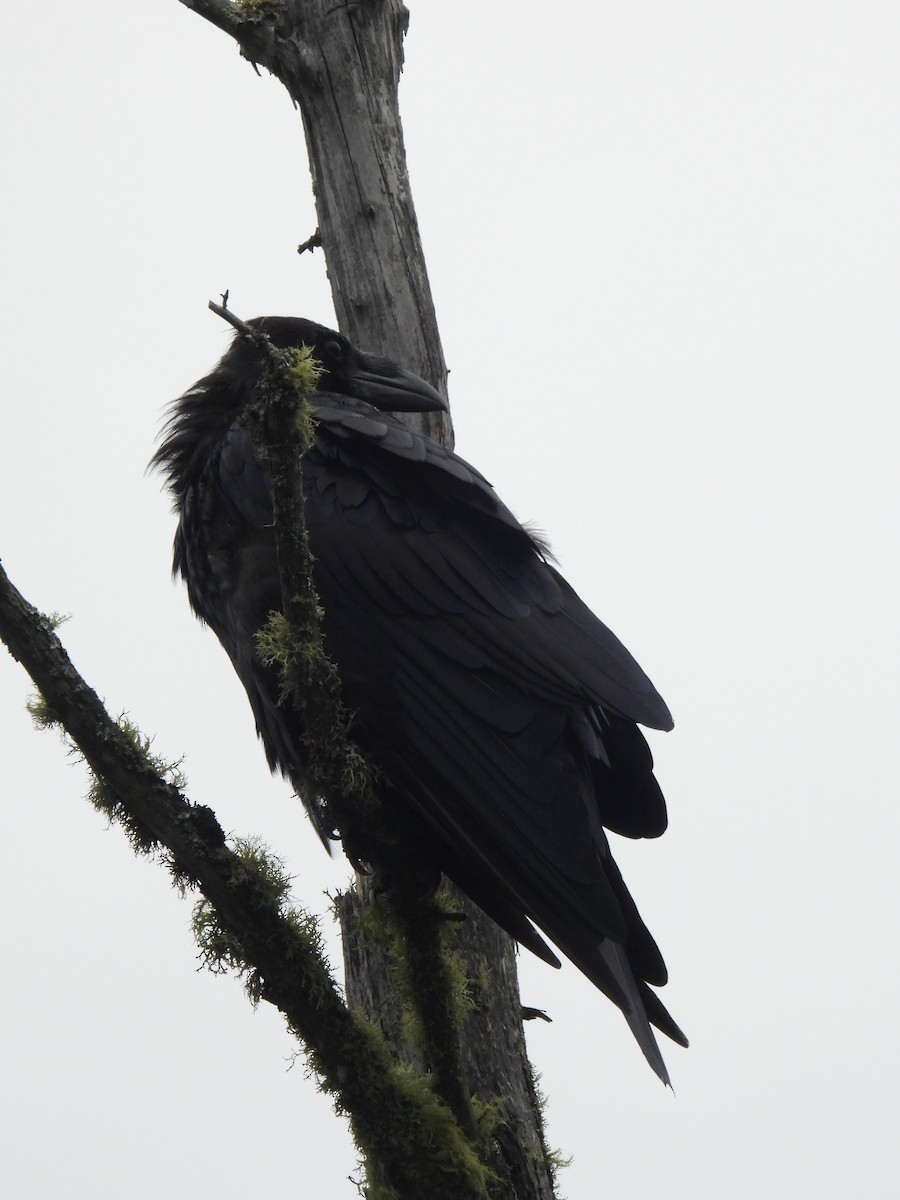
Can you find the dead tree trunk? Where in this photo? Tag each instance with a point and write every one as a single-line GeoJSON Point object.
{"type": "Point", "coordinates": [341, 66]}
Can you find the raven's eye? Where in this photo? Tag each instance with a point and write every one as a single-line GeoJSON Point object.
{"type": "Point", "coordinates": [332, 350]}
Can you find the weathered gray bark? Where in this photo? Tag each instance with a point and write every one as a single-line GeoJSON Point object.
{"type": "Point", "coordinates": [341, 66]}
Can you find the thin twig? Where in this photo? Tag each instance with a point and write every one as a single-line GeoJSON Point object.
{"type": "Point", "coordinates": [310, 244]}
{"type": "Point", "coordinates": [242, 327]}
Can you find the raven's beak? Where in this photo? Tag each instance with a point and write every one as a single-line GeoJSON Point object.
{"type": "Point", "coordinates": [382, 383]}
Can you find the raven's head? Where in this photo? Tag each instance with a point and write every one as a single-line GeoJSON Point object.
{"type": "Point", "coordinates": [207, 410]}
{"type": "Point", "coordinates": [348, 371]}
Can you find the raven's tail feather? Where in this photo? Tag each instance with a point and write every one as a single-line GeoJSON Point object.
{"type": "Point", "coordinates": [636, 1014]}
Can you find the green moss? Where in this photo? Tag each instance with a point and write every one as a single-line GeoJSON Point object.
{"type": "Point", "coordinates": [555, 1159]}
{"type": "Point", "coordinates": [257, 11]}
{"type": "Point", "coordinates": [480, 991]}
{"type": "Point", "coordinates": [168, 770]}
{"type": "Point", "coordinates": [279, 645]}
{"type": "Point", "coordinates": [305, 423]}
{"type": "Point", "coordinates": [290, 376]}
{"type": "Point", "coordinates": [426, 972]}
{"type": "Point", "coordinates": [106, 800]}
{"type": "Point", "coordinates": [262, 878]}
{"type": "Point", "coordinates": [309, 680]}
{"type": "Point", "coordinates": [556, 1162]}
{"type": "Point", "coordinates": [103, 797]}
{"type": "Point", "coordinates": [415, 1109]}
{"type": "Point", "coordinates": [303, 368]}
{"type": "Point", "coordinates": [488, 1114]}
{"type": "Point", "coordinates": [42, 715]}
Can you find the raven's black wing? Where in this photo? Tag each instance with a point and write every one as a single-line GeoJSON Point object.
{"type": "Point", "coordinates": [496, 703]}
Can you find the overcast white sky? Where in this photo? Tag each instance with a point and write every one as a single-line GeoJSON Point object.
{"type": "Point", "coordinates": [665, 249]}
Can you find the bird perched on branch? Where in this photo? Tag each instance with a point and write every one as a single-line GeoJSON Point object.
{"type": "Point", "coordinates": [501, 713]}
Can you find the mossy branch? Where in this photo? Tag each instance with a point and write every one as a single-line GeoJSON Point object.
{"type": "Point", "coordinates": [413, 1146]}
{"type": "Point", "coordinates": [433, 988]}
{"type": "Point", "coordinates": [343, 785]}
{"type": "Point", "coordinates": [281, 422]}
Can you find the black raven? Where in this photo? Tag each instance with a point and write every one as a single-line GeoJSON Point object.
{"type": "Point", "coordinates": [500, 710]}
